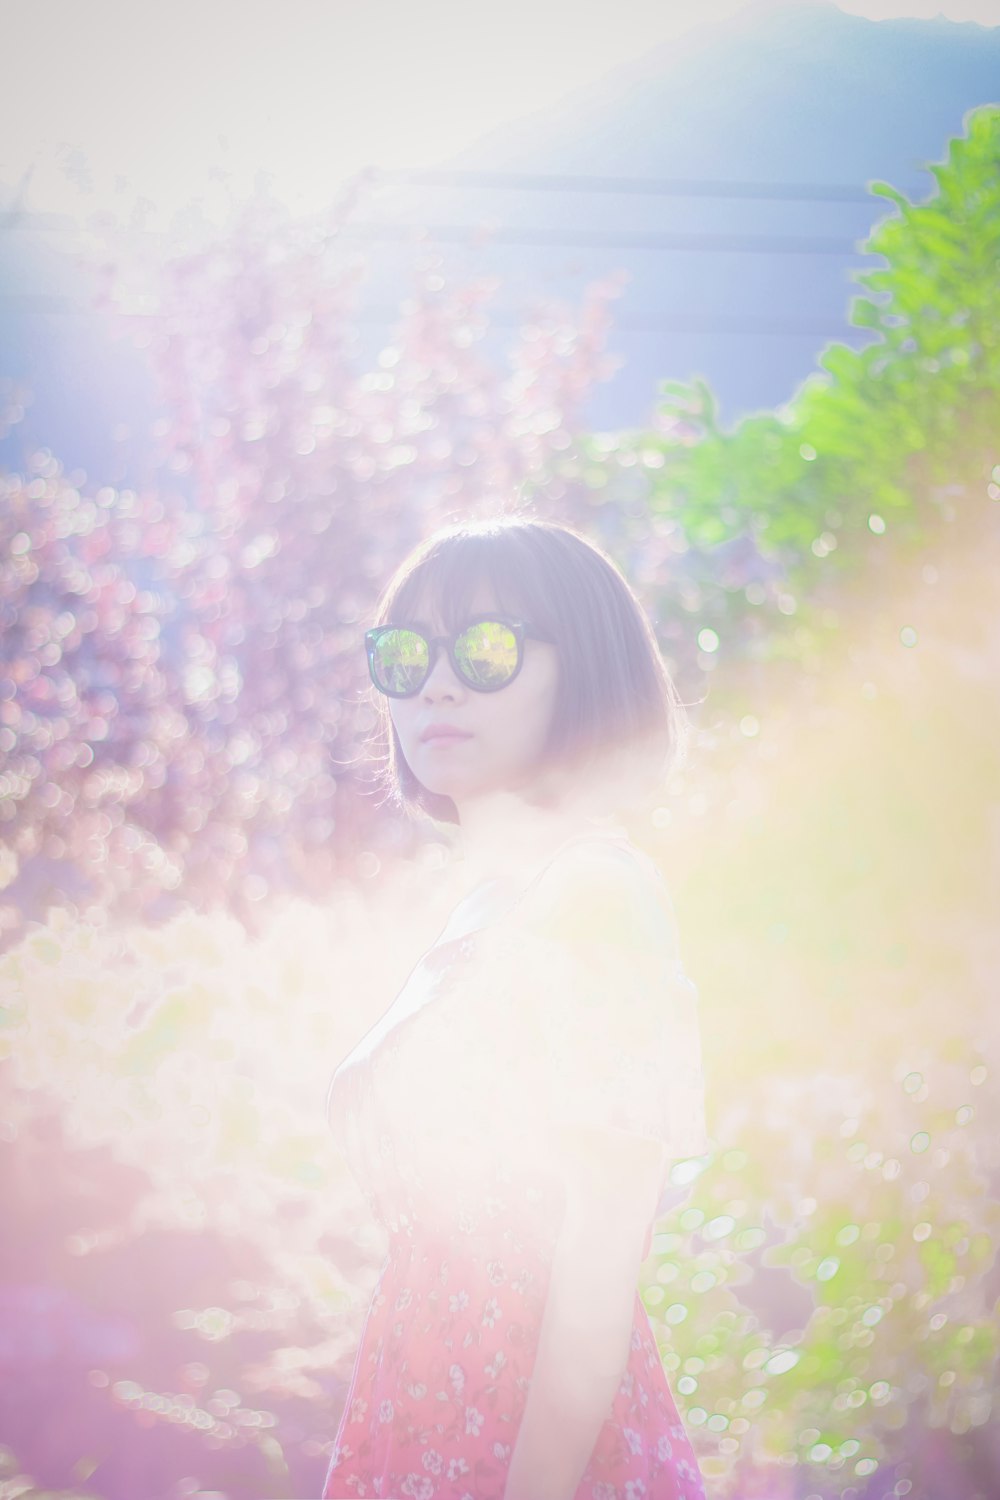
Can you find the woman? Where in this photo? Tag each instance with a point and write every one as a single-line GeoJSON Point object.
{"type": "Point", "coordinates": [514, 1114]}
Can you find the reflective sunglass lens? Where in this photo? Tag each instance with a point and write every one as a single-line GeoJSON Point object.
{"type": "Point", "coordinates": [486, 656]}
{"type": "Point", "coordinates": [486, 653]}
{"type": "Point", "coordinates": [399, 660]}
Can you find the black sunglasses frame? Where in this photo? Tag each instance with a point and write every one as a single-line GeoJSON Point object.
{"type": "Point", "coordinates": [520, 630]}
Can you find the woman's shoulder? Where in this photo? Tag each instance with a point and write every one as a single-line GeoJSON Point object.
{"type": "Point", "coordinates": [599, 891]}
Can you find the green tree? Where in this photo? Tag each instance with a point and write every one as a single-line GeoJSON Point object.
{"type": "Point", "coordinates": [901, 436]}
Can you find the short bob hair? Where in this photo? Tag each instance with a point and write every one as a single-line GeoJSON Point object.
{"type": "Point", "coordinates": [618, 725]}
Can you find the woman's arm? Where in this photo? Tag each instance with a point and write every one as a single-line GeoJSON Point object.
{"type": "Point", "coordinates": [593, 977]}
{"type": "Point", "coordinates": [586, 1331]}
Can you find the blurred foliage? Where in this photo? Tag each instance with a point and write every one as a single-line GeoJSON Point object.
{"type": "Point", "coordinates": [186, 1262]}
{"type": "Point", "coordinates": [186, 1257]}
{"type": "Point", "coordinates": [183, 691]}
{"type": "Point", "coordinates": [788, 512]}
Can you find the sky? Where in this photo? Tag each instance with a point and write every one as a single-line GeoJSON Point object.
{"type": "Point", "coordinates": [133, 113]}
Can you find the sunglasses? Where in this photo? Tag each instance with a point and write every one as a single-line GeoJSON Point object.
{"type": "Point", "coordinates": [486, 654]}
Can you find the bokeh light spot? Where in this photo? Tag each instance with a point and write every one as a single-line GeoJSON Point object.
{"type": "Point", "coordinates": [781, 1362]}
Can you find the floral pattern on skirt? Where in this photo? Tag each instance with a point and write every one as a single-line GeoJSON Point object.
{"type": "Point", "coordinates": [441, 1381]}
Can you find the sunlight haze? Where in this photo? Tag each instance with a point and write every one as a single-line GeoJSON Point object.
{"type": "Point", "coordinates": [149, 112]}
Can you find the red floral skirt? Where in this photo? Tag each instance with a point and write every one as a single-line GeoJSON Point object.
{"type": "Point", "coordinates": [442, 1376]}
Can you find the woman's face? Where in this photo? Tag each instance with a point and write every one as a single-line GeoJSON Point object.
{"type": "Point", "coordinates": [506, 730]}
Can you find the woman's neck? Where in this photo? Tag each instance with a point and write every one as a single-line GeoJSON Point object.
{"type": "Point", "coordinates": [503, 836]}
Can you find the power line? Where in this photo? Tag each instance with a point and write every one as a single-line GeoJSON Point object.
{"type": "Point", "coordinates": [558, 239]}
{"type": "Point", "coordinates": [736, 324]}
{"type": "Point", "coordinates": [485, 235]}
{"type": "Point", "coordinates": [752, 327]}
{"type": "Point", "coordinates": [658, 187]}
{"type": "Point", "coordinates": [545, 182]}
{"type": "Point", "coordinates": [599, 239]}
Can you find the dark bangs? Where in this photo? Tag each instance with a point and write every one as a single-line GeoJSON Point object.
{"type": "Point", "coordinates": [617, 712]}
{"type": "Point", "coordinates": [443, 575]}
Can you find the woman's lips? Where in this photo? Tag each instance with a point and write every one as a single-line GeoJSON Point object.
{"type": "Point", "coordinates": [445, 737]}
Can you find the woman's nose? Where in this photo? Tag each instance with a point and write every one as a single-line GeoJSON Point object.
{"type": "Point", "coordinates": [441, 678]}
